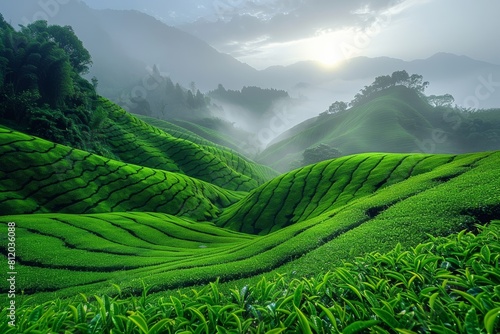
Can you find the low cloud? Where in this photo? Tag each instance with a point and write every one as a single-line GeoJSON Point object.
{"type": "Point", "coordinates": [281, 21]}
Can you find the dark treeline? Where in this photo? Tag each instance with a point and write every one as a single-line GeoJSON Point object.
{"type": "Point", "coordinates": [168, 100]}
{"type": "Point", "coordinates": [42, 91]}
{"type": "Point", "coordinates": [254, 99]}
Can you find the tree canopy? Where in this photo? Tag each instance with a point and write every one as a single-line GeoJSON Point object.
{"type": "Point", "coordinates": [445, 100]}
{"type": "Point", "coordinates": [66, 39]}
{"type": "Point", "coordinates": [398, 78]}
{"type": "Point", "coordinates": [41, 88]}
{"type": "Point", "coordinates": [319, 153]}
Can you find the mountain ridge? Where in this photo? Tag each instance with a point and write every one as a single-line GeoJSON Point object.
{"type": "Point", "coordinates": [187, 63]}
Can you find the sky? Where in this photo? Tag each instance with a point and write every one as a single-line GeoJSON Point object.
{"type": "Point", "coordinates": [264, 33]}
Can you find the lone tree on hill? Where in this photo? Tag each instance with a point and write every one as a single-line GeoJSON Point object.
{"type": "Point", "coordinates": [337, 106]}
{"type": "Point", "coordinates": [319, 153]}
{"type": "Point", "coordinates": [445, 100]}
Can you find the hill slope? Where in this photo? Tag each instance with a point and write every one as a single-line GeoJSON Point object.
{"type": "Point", "coordinates": [38, 176]}
{"type": "Point", "coordinates": [134, 141]}
{"type": "Point", "coordinates": [399, 197]}
{"type": "Point", "coordinates": [397, 120]}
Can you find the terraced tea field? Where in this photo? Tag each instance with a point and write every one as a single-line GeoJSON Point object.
{"type": "Point", "coordinates": [37, 176]}
{"type": "Point", "coordinates": [134, 141]}
{"type": "Point", "coordinates": [421, 289]}
{"type": "Point", "coordinates": [176, 211]}
{"type": "Point", "coordinates": [87, 222]}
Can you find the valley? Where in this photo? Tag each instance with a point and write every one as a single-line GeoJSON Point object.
{"type": "Point", "coordinates": [378, 215]}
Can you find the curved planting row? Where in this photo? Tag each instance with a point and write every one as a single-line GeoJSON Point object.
{"type": "Point", "coordinates": [446, 285]}
{"type": "Point", "coordinates": [169, 252]}
{"type": "Point", "coordinates": [85, 249]}
{"type": "Point", "coordinates": [232, 158]}
{"type": "Point", "coordinates": [38, 176]}
{"type": "Point", "coordinates": [134, 141]}
{"type": "Point", "coordinates": [311, 191]}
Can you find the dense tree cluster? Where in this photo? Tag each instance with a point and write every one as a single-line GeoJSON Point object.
{"type": "Point", "coordinates": [398, 78]}
{"type": "Point", "coordinates": [41, 88]}
{"type": "Point", "coordinates": [337, 106]}
{"type": "Point", "coordinates": [254, 99]}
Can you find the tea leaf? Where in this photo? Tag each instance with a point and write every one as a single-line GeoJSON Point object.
{"type": "Point", "coordinates": [358, 326]}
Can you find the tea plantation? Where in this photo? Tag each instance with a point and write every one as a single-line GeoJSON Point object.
{"type": "Point", "coordinates": [103, 244]}
{"type": "Point", "coordinates": [446, 285]}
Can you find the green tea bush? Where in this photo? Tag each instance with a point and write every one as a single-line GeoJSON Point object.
{"type": "Point", "coordinates": [445, 285]}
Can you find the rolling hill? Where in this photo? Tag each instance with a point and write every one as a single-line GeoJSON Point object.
{"type": "Point", "coordinates": [140, 223]}
{"type": "Point", "coordinates": [173, 211]}
{"type": "Point", "coordinates": [177, 150]}
{"type": "Point", "coordinates": [111, 222]}
{"type": "Point", "coordinates": [395, 120]}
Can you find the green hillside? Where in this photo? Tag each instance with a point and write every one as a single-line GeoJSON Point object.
{"type": "Point", "coordinates": [394, 120]}
{"type": "Point", "coordinates": [110, 222]}
{"type": "Point", "coordinates": [37, 176]}
{"type": "Point", "coordinates": [402, 197]}
{"type": "Point", "coordinates": [313, 190]}
{"type": "Point", "coordinates": [230, 157]}
{"type": "Point", "coordinates": [134, 141]}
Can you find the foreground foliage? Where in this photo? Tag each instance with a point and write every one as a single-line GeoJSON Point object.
{"type": "Point", "coordinates": [446, 285]}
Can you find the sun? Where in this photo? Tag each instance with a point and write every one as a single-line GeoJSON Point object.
{"type": "Point", "coordinates": [324, 49]}
{"type": "Point", "coordinates": [327, 56]}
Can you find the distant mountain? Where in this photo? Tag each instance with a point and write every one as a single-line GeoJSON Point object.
{"type": "Point", "coordinates": [395, 120]}
{"type": "Point", "coordinates": [447, 73]}
{"type": "Point", "coordinates": [124, 43]}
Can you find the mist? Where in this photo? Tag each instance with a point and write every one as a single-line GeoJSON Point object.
{"type": "Point", "coordinates": [197, 50]}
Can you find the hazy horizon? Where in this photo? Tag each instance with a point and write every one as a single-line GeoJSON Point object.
{"type": "Point", "coordinates": [269, 33]}
{"type": "Point", "coordinates": [278, 32]}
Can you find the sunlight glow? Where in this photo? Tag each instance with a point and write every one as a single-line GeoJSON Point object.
{"type": "Point", "coordinates": [324, 47]}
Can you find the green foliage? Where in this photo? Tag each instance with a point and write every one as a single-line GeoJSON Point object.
{"type": "Point", "coordinates": [404, 291]}
{"type": "Point", "coordinates": [41, 90]}
{"type": "Point", "coordinates": [54, 126]}
{"type": "Point", "coordinates": [445, 100]}
{"type": "Point", "coordinates": [319, 153]}
{"type": "Point", "coordinates": [399, 78]}
{"type": "Point", "coordinates": [66, 39]}
{"type": "Point", "coordinates": [337, 106]}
